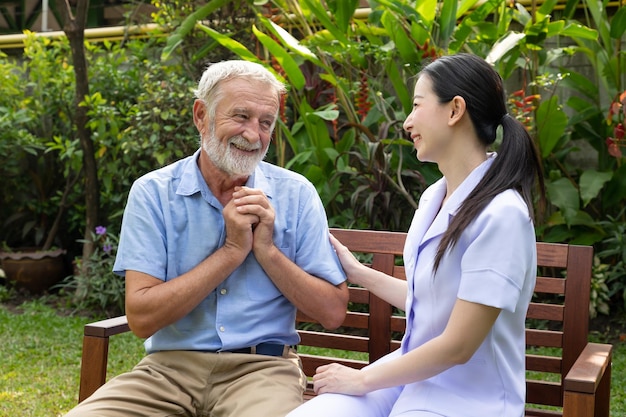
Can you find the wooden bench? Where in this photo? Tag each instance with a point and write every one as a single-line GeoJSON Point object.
{"type": "Point", "coordinates": [574, 374]}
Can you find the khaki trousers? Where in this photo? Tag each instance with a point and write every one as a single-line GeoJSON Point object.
{"type": "Point", "coordinates": [185, 383]}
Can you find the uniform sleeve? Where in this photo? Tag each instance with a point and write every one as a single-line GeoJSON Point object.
{"type": "Point", "coordinates": [500, 254]}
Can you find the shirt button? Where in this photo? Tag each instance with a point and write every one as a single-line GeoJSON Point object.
{"type": "Point", "coordinates": [222, 329]}
{"type": "Point", "coordinates": [223, 291]}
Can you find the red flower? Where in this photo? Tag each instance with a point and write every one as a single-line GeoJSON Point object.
{"type": "Point", "coordinates": [613, 148]}
{"type": "Point", "coordinates": [618, 131]}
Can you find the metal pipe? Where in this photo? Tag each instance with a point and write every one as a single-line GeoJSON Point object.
{"type": "Point", "coordinates": [44, 15]}
{"type": "Point", "coordinates": [93, 35]}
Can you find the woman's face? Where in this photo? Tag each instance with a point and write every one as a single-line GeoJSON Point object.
{"type": "Point", "coordinates": [427, 124]}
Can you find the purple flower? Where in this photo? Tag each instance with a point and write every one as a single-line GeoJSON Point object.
{"type": "Point", "coordinates": [100, 230]}
{"type": "Point", "coordinates": [107, 248]}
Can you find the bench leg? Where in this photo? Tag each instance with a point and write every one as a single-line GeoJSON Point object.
{"type": "Point", "coordinates": [93, 367]}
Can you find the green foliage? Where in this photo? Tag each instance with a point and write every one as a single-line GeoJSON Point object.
{"type": "Point", "coordinates": [599, 299]}
{"type": "Point", "coordinates": [34, 103]}
{"type": "Point", "coordinates": [41, 359]}
{"type": "Point", "coordinates": [94, 287]}
{"type": "Point", "coordinates": [139, 114]}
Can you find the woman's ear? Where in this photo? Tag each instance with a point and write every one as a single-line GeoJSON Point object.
{"type": "Point", "coordinates": [457, 110]}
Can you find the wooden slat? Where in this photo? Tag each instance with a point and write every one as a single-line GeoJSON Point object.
{"type": "Point", "coordinates": [532, 412]}
{"type": "Point", "coordinates": [541, 363]}
{"type": "Point", "coordinates": [369, 241]}
{"type": "Point", "coordinates": [548, 338]}
{"type": "Point", "coordinates": [552, 255]}
{"type": "Point", "coordinates": [359, 295]}
{"type": "Point", "coordinates": [334, 341]}
{"type": "Point", "coordinates": [398, 272]}
{"type": "Point", "coordinates": [544, 392]}
{"type": "Point", "coordinates": [311, 362]}
{"type": "Point", "coordinates": [356, 320]}
{"type": "Point", "coordinates": [547, 285]}
{"type": "Point", "coordinates": [540, 311]}
{"type": "Point", "coordinates": [398, 324]}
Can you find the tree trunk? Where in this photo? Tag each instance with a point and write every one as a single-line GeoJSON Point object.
{"type": "Point", "coordinates": [74, 28]}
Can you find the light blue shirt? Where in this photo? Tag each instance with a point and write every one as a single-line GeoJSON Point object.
{"type": "Point", "coordinates": [172, 222]}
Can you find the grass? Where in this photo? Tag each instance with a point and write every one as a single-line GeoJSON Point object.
{"type": "Point", "coordinates": [40, 361]}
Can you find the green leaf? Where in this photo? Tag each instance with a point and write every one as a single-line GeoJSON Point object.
{"type": "Point", "coordinates": [399, 85]}
{"type": "Point", "coordinates": [329, 115]}
{"type": "Point", "coordinates": [292, 70]}
{"type": "Point", "coordinates": [580, 84]}
{"type": "Point", "coordinates": [321, 14]}
{"type": "Point", "coordinates": [290, 42]}
{"type": "Point", "coordinates": [564, 195]}
{"type": "Point", "coordinates": [551, 123]}
{"type": "Point", "coordinates": [427, 9]}
{"type": "Point", "coordinates": [547, 7]}
{"type": "Point", "coordinates": [405, 47]}
{"type": "Point", "coordinates": [618, 23]}
{"type": "Point", "coordinates": [577, 31]}
{"type": "Point", "coordinates": [591, 182]}
{"type": "Point", "coordinates": [465, 6]}
{"type": "Point", "coordinates": [188, 24]}
{"type": "Point", "coordinates": [343, 11]}
{"type": "Point", "coordinates": [447, 20]}
{"type": "Point", "coordinates": [231, 44]}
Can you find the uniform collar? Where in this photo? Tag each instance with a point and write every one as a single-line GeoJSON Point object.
{"type": "Point", "coordinates": [443, 214]}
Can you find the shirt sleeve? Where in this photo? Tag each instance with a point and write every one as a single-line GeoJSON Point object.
{"type": "Point", "coordinates": [500, 254]}
{"type": "Point", "coordinates": [142, 244]}
{"type": "Point", "coordinates": [314, 252]}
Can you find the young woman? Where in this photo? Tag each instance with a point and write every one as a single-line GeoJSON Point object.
{"type": "Point", "coordinates": [470, 262]}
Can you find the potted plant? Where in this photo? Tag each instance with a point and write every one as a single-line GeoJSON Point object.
{"type": "Point", "coordinates": [35, 188]}
{"type": "Point", "coordinates": [31, 255]}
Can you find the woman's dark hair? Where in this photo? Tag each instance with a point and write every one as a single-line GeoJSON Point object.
{"type": "Point", "coordinates": [517, 165]}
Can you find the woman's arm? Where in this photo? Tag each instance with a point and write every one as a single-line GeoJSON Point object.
{"type": "Point", "coordinates": [468, 326]}
{"type": "Point", "coordinates": [390, 289]}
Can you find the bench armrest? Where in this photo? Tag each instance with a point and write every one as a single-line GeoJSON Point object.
{"type": "Point", "coordinates": [587, 384]}
{"type": "Point", "coordinates": [93, 367]}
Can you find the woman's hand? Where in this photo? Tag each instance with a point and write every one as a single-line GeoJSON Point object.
{"type": "Point", "coordinates": [351, 266]}
{"type": "Point", "coordinates": [339, 379]}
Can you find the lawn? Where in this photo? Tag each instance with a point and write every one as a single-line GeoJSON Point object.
{"type": "Point", "coordinates": [40, 361]}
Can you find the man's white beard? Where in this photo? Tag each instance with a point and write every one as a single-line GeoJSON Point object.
{"type": "Point", "coordinates": [222, 155]}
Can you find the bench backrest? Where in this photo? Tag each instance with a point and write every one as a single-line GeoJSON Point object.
{"type": "Point", "coordinates": [557, 318]}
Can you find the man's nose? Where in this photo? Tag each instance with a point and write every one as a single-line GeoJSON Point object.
{"type": "Point", "coordinates": [252, 131]}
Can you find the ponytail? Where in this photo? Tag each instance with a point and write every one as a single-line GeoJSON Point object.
{"type": "Point", "coordinates": [517, 167]}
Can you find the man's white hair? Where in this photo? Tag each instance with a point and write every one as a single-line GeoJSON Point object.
{"type": "Point", "coordinates": [209, 89]}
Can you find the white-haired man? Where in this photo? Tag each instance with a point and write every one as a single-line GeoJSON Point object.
{"type": "Point", "coordinates": [219, 250]}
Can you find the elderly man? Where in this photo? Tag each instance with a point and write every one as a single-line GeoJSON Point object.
{"type": "Point", "coordinates": [219, 250]}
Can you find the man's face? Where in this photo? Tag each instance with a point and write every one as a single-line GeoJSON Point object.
{"type": "Point", "coordinates": [239, 135]}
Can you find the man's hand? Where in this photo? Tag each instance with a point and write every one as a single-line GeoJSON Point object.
{"type": "Point", "coordinates": [239, 225]}
{"type": "Point", "coordinates": [253, 203]}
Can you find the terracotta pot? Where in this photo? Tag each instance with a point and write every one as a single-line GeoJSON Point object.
{"type": "Point", "coordinates": [36, 271]}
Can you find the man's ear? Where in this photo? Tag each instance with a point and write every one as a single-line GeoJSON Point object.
{"type": "Point", "coordinates": [199, 115]}
{"type": "Point", "coordinates": [457, 110]}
